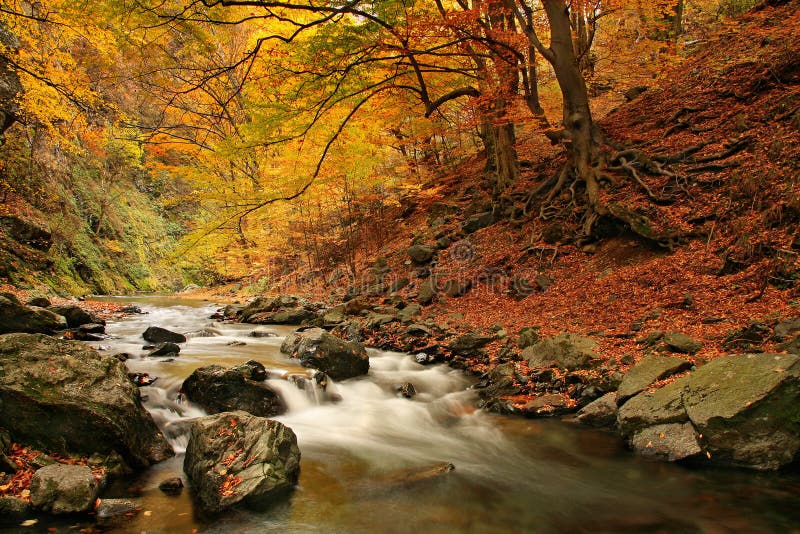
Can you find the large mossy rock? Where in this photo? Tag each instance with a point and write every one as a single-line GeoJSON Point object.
{"type": "Point", "coordinates": [651, 368]}
{"type": "Point", "coordinates": [65, 397]}
{"type": "Point", "coordinates": [16, 317]}
{"type": "Point", "coordinates": [64, 489]}
{"type": "Point", "coordinates": [743, 410]}
{"type": "Point", "coordinates": [235, 457]}
{"type": "Point", "coordinates": [566, 351]}
{"type": "Point", "coordinates": [321, 350]}
{"type": "Point", "coordinates": [218, 389]}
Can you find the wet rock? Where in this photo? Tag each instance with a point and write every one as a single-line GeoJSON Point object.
{"type": "Point", "coordinates": [671, 442]}
{"type": "Point", "coordinates": [502, 382]}
{"type": "Point", "coordinates": [172, 486]}
{"type": "Point", "coordinates": [286, 309]}
{"type": "Point", "coordinates": [111, 512]}
{"type": "Point", "coordinates": [678, 342]}
{"type": "Point", "coordinates": [290, 316]}
{"type": "Point", "coordinates": [76, 316]}
{"type": "Point", "coordinates": [548, 404]}
{"type": "Point", "coordinates": [86, 399]}
{"type": "Point", "coordinates": [476, 222]}
{"type": "Point", "coordinates": [427, 291]}
{"type": "Point", "coordinates": [92, 328]}
{"type": "Point", "coordinates": [208, 331]}
{"type": "Point", "coordinates": [234, 457]}
{"type": "Point", "coordinates": [651, 368]}
{"type": "Point", "coordinates": [332, 355]}
{"type": "Point", "coordinates": [651, 408]}
{"type": "Point", "coordinates": [64, 489]}
{"type": "Point", "coordinates": [600, 413]}
{"type": "Point", "coordinates": [566, 351]}
{"type": "Point", "coordinates": [407, 390]}
{"type": "Point", "coordinates": [259, 333]}
{"type": "Point", "coordinates": [15, 317]}
{"type": "Point", "coordinates": [421, 254]}
{"type": "Point", "coordinates": [423, 358]}
{"type": "Point", "coordinates": [219, 389]}
{"type": "Point", "coordinates": [132, 309]}
{"type": "Point", "coordinates": [165, 349]}
{"type": "Point", "coordinates": [156, 334]}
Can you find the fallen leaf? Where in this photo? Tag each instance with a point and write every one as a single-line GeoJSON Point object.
{"type": "Point", "coordinates": [29, 522]}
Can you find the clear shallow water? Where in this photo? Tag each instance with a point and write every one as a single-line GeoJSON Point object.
{"type": "Point", "coordinates": [511, 475]}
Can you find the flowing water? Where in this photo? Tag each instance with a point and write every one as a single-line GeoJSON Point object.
{"type": "Point", "coordinates": [360, 455]}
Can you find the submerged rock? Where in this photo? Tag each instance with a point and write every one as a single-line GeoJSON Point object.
{"type": "Point", "coordinates": [66, 397]}
{"type": "Point", "coordinates": [235, 457]}
{"type": "Point", "coordinates": [321, 350]}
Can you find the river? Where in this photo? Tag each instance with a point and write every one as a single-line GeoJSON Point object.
{"type": "Point", "coordinates": [511, 474]}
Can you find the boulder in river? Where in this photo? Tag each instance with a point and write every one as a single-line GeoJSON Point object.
{"type": "Point", "coordinates": [165, 349]}
{"type": "Point", "coordinates": [66, 397]}
{"type": "Point", "coordinates": [743, 410]}
{"type": "Point", "coordinates": [156, 334]}
{"type": "Point", "coordinates": [235, 457]}
{"type": "Point", "coordinates": [321, 350]}
{"type": "Point", "coordinates": [16, 317]}
{"type": "Point", "coordinates": [64, 489]}
{"type": "Point", "coordinates": [286, 309]}
{"type": "Point", "coordinates": [220, 389]}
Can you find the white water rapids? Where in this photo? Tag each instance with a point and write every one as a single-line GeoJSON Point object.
{"type": "Point", "coordinates": [511, 475]}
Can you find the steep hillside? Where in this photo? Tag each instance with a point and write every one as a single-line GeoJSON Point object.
{"type": "Point", "coordinates": [700, 237]}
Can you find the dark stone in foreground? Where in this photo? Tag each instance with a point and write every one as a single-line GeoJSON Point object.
{"type": "Point", "coordinates": [172, 486]}
{"type": "Point", "coordinates": [76, 316]}
{"type": "Point", "coordinates": [321, 350]}
{"type": "Point", "coordinates": [65, 397]}
{"type": "Point", "coordinates": [218, 389]}
{"type": "Point", "coordinates": [115, 511]}
{"type": "Point", "coordinates": [156, 334]}
{"type": "Point", "coordinates": [234, 457]}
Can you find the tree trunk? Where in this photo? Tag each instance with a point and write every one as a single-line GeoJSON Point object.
{"type": "Point", "coordinates": [580, 131]}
